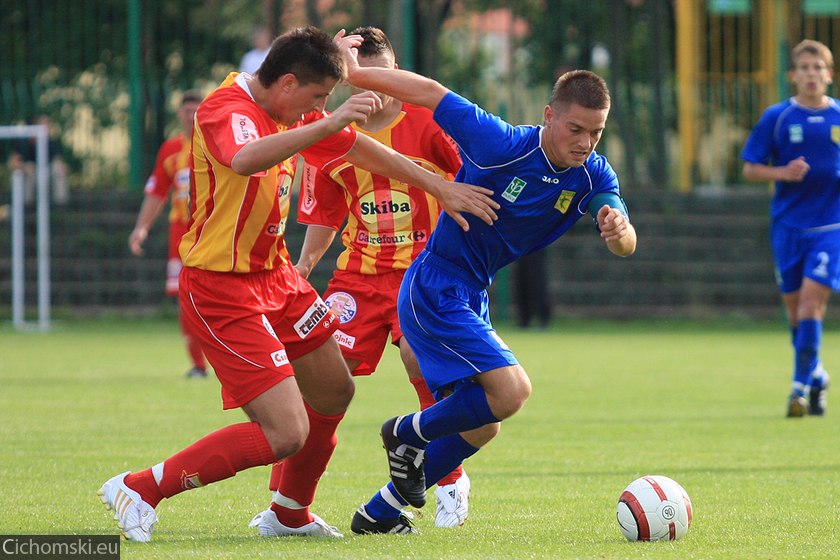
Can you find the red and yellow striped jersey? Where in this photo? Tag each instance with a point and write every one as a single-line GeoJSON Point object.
{"type": "Point", "coordinates": [388, 222]}
{"type": "Point", "coordinates": [237, 222]}
{"type": "Point", "coordinates": [172, 175]}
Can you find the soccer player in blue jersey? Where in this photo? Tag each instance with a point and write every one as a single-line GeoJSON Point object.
{"type": "Point", "coordinates": [796, 143]}
{"type": "Point", "coordinates": [545, 178]}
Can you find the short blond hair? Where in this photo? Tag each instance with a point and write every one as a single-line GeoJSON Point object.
{"type": "Point", "coordinates": [812, 47]}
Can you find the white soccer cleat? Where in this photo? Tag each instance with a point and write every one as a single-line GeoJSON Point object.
{"type": "Point", "coordinates": [135, 518]}
{"type": "Point", "coordinates": [269, 526]}
{"type": "Point", "coordinates": [453, 503]}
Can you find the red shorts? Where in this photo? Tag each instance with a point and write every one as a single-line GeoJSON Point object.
{"type": "Point", "coordinates": [173, 261]}
{"type": "Point", "coordinates": [252, 325]}
{"type": "Point", "coordinates": [366, 306]}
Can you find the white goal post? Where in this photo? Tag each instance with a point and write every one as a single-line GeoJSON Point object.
{"type": "Point", "coordinates": [41, 135]}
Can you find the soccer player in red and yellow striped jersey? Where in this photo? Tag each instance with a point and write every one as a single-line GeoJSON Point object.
{"type": "Point", "coordinates": [387, 225]}
{"type": "Point", "coordinates": [171, 176]}
{"type": "Point", "coordinates": [264, 329]}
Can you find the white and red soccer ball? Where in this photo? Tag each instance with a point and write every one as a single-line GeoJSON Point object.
{"type": "Point", "coordinates": [654, 508]}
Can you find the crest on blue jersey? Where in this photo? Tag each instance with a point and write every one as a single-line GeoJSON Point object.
{"type": "Point", "coordinates": [835, 134]}
{"type": "Point", "coordinates": [795, 133]}
{"type": "Point", "coordinates": [564, 200]}
{"type": "Point", "coordinates": [514, 189]}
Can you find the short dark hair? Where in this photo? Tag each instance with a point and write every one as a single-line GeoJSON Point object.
{"type": "Point", "coordinates": [191, 96]}
{"type": "Point", "coordinates": [581, 87]}
{"type": "Point", "coordinates": [307, 52]}
{"type": "Point", "coordinates": [812, 47]}
{"type": "Point", "coordinates": [375, 41]}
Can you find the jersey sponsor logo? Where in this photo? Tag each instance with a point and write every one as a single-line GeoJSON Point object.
{"type": "Point", "coordinates": [279, 358]}
{"type": "Point", "coordinates": [564, 200]}
{"type": "Point", "coordinates": [344, 339]}
{"type": "Point", "coordinates": [344, 305]}
{"type": "Point", "coordinates": [390, 239]}
{"type": "Point", "coordinates": [795, 133]}
{"type": "Point", "coordinates": [244, 129]}
{"type": "Point", "coordinates": [371, 209]}
{"type": "Point", "coordinates": [276, 229]}
{"type": "Point", "coordinates": [310, 320]}
{"type": "Point", "coordinates": [308, 203]}
{"type": "Point", "coordinates": [514, 189]}
{"type": "Point", "coordinates": [835, 134]}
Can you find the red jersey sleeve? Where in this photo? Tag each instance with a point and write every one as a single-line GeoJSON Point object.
{"type": "Point", "coordinates": [160, 181]}
{"type": "Point", "coordinates": [332, 147]}
{"type": "Point", "coordinates": [227, 129]}
{"type": "Point", "coordinates": [322, 201]}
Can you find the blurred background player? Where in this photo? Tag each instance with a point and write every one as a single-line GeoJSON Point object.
{"type": "Point", "coordinates": [260, 45]}
{"type": "Point", "coordinates": [545, 178]}
{"type": "Point", "coordinates": [264, 329]}
{"type": "Point", "coordinates": [24, 154]}
{"type": "Point", "coordinates": [171, 179]}
{"type": "Point", "coordinates": [388, 224]}
{"type": "Point", "coordinates": [796, 144]}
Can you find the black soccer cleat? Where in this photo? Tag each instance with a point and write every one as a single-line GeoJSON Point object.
{"type": "Point", "coordinates": [364, 524]}
{"type": "Point", "coordinates": [818, 399]}
{"type": "Point", "coordinates": [405, 465]}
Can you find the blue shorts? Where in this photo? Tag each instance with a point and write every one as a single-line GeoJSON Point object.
{"type": "Point", "coordinates": [805, 253]}
{"type": "Point", "coordinates": [446, 320]}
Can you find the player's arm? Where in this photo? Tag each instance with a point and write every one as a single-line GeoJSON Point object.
{"type": "Point", "coordinates": [613, 223]}
{"type": "Point", "coordinates": [401, 84]}
{"type": "Point", "coordinates": [266, 152]}
{"type": "Point", "coordinates": [793, 172]}
{"type": "Point", "coordinates": [454, 198]}
{"type": "Point", "coordinates": [315, 243]}
{"type": "Point", "coordinates": [149, 211]}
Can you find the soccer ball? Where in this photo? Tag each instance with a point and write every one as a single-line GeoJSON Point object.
{"type": "Point", "coordinates": [654, 508]}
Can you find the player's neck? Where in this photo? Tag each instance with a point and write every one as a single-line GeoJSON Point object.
{"type": "Point", "coordinates": [812, 101]}
{"type": "Point", "coordinates": [383, 118]}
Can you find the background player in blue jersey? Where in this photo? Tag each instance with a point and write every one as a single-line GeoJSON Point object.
{"type": "Point", "coordinates": [545, 178]}
{"type": "Point", "coordinates": [796, 143]}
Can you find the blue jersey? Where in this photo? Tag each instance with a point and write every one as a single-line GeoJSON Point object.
{"type": "Point", "coordinates": [539, 201]}
{"type": "Point", "coordinates": [787, 131]}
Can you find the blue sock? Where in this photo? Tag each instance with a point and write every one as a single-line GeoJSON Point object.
{"type": "Point", "coordinates": [442, 456]}
{"type": "Point", "coordinates": [465, 409]}
{"type": "Point", "coordinates": [806, 347]}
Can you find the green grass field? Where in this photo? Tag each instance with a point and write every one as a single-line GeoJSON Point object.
{"type": "Point", "coordinates": [700, 403]}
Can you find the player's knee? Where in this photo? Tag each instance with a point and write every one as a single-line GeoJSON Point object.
{"type": "Point", "coordinates": [288, 441]}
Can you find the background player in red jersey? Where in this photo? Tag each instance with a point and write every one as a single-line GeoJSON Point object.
{"type": "Point", "coordinates": [171, 177]}
{"type": "Point", "coordinates": [263, 328]}
{"type": "Point", "coordinates": [388, 223]}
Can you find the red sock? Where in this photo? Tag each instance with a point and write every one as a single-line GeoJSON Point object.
{"type": "Point", "coordinates": [193, 346]}
{"type": "Point", "coordinates": [276, 474]}
{"type": "Point", "coordinates": [301, 472]}
{"type": "Point", "coordinates": [424, 395]}
{"type": "Point", "coordinates": [214, 457]}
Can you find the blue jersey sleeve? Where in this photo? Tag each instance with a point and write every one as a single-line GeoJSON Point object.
{"type": "Point", "coordinates": [482, 137]}
{"type": "Point", "coordinates": [759, 145]}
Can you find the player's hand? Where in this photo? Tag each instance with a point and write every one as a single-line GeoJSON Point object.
{"type": "Point", "coordinates": [612, 223]}
{"type": "Point", "coordinates": [347, 45]}
{"type": "Point", "coordinates": [456, 198]}
{"type": "Point", "coordinates": [357, 108]}
{"type": "Point", "coordinates": [136, 240]}
{"type": "Point", "coordinates": [796, 170]}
